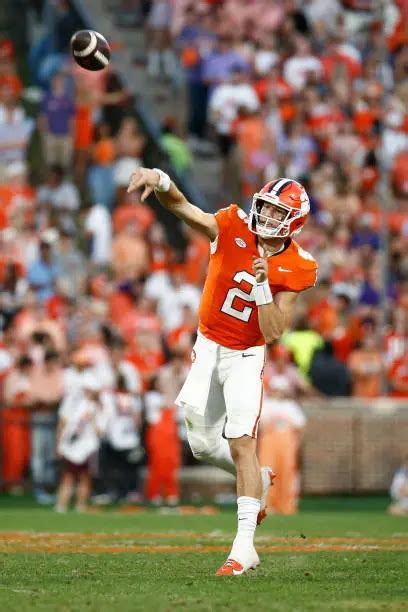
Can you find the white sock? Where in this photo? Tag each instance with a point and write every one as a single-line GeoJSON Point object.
{"type": "Point", "coordinates": [248, 508]}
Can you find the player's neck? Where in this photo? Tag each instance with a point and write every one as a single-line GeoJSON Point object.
{"type": "Point", "coordinates": [271, 246]}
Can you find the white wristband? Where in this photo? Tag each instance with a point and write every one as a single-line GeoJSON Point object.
{"type": "Point", "coordinates": [263, 294]}
{"type": "Point", "coordinates": [164, 181]}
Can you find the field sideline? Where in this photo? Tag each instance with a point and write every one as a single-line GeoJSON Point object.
{"type": "Point", "coordinates": [337, 554]}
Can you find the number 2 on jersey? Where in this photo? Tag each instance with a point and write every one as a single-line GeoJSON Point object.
{"type": "Point", "coordinates": [235, 292]}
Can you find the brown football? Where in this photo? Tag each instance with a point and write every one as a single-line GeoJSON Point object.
{"type": "Point", "coordinates": [90, 50]}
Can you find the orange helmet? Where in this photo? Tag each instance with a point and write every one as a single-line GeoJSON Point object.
{"type": "Point", "coordinates": [288, 205]}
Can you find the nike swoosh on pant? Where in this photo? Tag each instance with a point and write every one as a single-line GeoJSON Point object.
{"type": "Point", "coordinates": [248, 354]}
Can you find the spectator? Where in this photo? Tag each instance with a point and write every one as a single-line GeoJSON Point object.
{"type": "Point", "coordinates": [399, 491]}
{"type": "Point", "coordinates": [176, 148]}
{"type": "Point", "coordinates": [141, 315]}
{"type": "Point", "coordinates": [146, 354]}
{"type": "Point", "coordinates": [161, 254]}
{"type": "Point", "coordinates": [161, 56]}
{"type": "Point", "coordinates": [33, 320]}
{"type": "Point", "coordinates": [17, 197]}
{"type": "Point", "coordinates": [118, 366]}
{"type": "Point", "coordinates": [98, 232]}
{"type": "Point", "coordinates": [43, 273]}
{"type": "Point", "coordinates": [181, 339]}
{"type": "Point", "coordinates": [15, 130]}
{"type": "Point", "coordinates": [122, 450]}
{"type": "Point", "coordinates": [12, 290]}
{"type": "Point", "coordinates": [66, 22]}
{"type": "Point", "coordinates": [320, 11]}
{"type": "Point", "coordinates": [299, 147]}
{"type": "Point", "coordinates": [100, 174]}
{"type": "Point", "coordinates": [177, 294]}
{"type": "Point", "coordinates": [130, 142]}
{"type": "Point", "coordinates": [162, 438]}
{"type": "Point", "coordinates": [196, 41]}
{"type": "Point", "coordinates": [281, 427]}
{"type": "Point", "coordinates": [302, 342]}
{"type": "Point", "coordinates": [302, 65]}
{"type": "Point", "coordinates": [71, 265]}
{"type": "Point", "coordinates": [56, 123]}
{"type": "Point", "coordinates": [131, 209]}
{"type": "Point", "coordinates": [218, 66]}
{"type": "Point", "coordinates": [115, 100]}
{"type": "Point", "coordinates": [366, 366]}
{"type": "Point", "coordinates": [364, 234]}
{"type": "Point", "coordinates": [226, 100]}
{"type": "Point", "coordinates": [129, 254]}
{"type": "Point", "coordinates": [329, 375]}
{"type": "Point", "coordinates": [398, 376]}
{"type": "Point", "coordinates": [195, 257]}
{"type": "Point", "coordinates": [79, 429]}
{"type": "Point", "coordinates": [15, 425]}
{"type": "Point", "coordinates": [58, 200]}
{"type": "Point", "coordinates": [46, 383]}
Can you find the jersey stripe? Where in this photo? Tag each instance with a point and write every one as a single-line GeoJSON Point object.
{"type": "Point", "coordinates": [279, 188]}
{"type": "Point", "coordinates": [255, 427]}
{"type": "Point", "coordinates": [278, 185]}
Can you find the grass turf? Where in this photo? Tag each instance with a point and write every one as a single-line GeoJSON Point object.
{"type": "Point", "coordinates": [356, 577]}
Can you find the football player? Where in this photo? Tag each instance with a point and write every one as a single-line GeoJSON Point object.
{"type": "Point", "coordinates": [255, 274]}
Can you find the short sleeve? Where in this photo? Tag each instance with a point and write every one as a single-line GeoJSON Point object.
{"type": "Point", "coordinates": [303, 279]}
{"type": "Point", "coordinates": [303, 271]}
{"type": "Point", "coordinates": [222, 216]}
{"type": "Point", "coordinates": [226, 218]}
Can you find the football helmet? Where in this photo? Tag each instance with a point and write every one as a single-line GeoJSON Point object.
{"type": "Point", "coordinates": [288, 205]}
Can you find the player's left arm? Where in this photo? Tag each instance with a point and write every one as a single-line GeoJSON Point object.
{"type": "Point", "coordinates": [275, 315]}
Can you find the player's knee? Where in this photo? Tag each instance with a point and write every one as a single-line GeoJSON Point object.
{"type": "Point", "coordinates": [242, 449]}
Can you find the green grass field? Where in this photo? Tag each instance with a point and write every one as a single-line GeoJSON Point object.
{"type": "Point", "coordinates": [336, 554]}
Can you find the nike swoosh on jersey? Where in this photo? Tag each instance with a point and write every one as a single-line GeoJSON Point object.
{"type": "Point", "coordinates": [248, 354]}
{"type": "Point", "coordinates": [280, 269]}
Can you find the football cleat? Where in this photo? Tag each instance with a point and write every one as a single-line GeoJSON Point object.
{"type": "Point", "coordinates": [235, 568]}
{"type": "Point", "coordinates": [268, 476]}
{"type": "Point", "coordinates": [230, 568]}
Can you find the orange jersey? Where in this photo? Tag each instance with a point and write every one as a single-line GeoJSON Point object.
{"type": "Point", "coordinates": [228, 314]}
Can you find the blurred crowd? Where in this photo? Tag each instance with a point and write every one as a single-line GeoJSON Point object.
{"type": "Point", "coordinates": [98, 309]}
{"type": "Point", "coordinates": [316, 91]}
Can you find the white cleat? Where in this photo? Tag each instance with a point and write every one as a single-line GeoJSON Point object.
{"type": "Point", "coordinates": [231, 567]}
{"type": "Point", "coordinates": [267, 475]}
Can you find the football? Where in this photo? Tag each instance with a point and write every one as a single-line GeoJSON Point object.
{"type": "Point", "coordinates": [90, 50]}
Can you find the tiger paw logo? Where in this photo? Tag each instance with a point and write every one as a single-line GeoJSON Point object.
{"type": "Point", "coordinates": [193, 356]}
{"type": "Point", "coordinates": [240, 242]}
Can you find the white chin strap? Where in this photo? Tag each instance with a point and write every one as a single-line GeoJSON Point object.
{"type": "Point", "coordinates": [260, 230]}
{"type": "Point", "coordinates": [281, 231]}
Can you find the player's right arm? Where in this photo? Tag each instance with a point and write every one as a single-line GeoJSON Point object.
{"type": "Point", "coordinates": [175, 201]}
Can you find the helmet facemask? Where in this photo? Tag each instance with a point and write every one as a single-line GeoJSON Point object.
{"type": "Point", "coordinates": [277, 225]}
